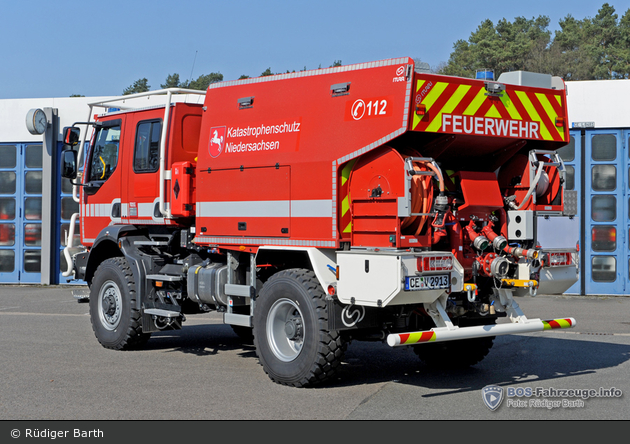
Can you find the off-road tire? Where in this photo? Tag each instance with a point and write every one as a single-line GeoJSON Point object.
{"type": "Point", "coordinates": [293, 300]}
{"type": "Point", "coordinates": [116, 321]}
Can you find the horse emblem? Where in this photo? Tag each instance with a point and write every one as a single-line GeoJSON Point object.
{"type": "Point", "coordinates": [216, 141]}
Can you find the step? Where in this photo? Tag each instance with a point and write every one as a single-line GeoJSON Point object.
{"type": "Point", "coordinates": [164, 277]}
{"type": "Point", "coordinates": [162, 313]}
{"type": "Point", "coordinates": [237, 319]}
{"type": "Point", "coordinates": [151, 243]}
{"type": "Point", "coordinates": [81, 295]}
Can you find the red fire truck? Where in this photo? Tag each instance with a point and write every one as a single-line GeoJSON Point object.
{"type": "Point", "coordinates": [362, 202]}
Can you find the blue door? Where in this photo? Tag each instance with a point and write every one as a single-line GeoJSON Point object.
{"type": "Point", "coordinates": [20, 212]}
{"type": "Point", "coordinates": [66, 208]}
{"type": "Point", "coordinates": [606, 212]}
{"type": "Point", "coordinates": [572, 157]}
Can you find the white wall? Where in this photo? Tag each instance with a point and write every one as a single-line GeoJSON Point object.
{"type": "Point", "coordinates": [70, 110]}
{"type": "Point", "coordinates": [13, 115]}
{"type": "Point", "coordinates": [604, 102]}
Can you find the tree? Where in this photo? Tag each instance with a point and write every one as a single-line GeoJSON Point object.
{"type": "Point", "coordinates": [587, 49]}
{"type": "Point", "coordinates": [203, 81]}
{"type": "Point", "coordinates": [172, 81]}
{"type": "Point", "coordinates": [508, 46]}
{"type": "Point", "coordinates": [200, 83]}
{"type": "Point", "coordinates": [595, 48]}
{"type": "Point", "coordinates": [623, 64]}
{"type": "Point", "coordinates": [138, 86]}
{"type": "Point", "coordinates": [266, 72]}
{"type": "Point", "coordinates": [606, 44]}
{"type": "Point", "coordinates": [570, 43]}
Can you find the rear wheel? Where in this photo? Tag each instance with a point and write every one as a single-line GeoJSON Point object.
{"type": "Point", "coordinates": [291, 334]}
{"type": "Point", "coordinates": [116, 322]}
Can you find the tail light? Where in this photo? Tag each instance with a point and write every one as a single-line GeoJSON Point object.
{"type": "Point", "coordinates": [558, 259]}
{"type": "Point", "coordinates": [435, 263]}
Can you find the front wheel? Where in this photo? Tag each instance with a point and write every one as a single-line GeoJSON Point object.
{"type": "Point", "coordinates": [291, 335]}
{"type": "Point", "coordinates": [116, 322]}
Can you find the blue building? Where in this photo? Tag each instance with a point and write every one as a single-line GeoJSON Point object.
{"type": "Point", "coordinates": [35, 204]}
{"type": "Point", "coordinates": [597, 160]}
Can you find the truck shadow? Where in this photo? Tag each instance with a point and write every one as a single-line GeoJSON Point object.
{"type": "Point", "coordinates": [513, 360]}
{"type": "Point", "coordinates": [200, 340]}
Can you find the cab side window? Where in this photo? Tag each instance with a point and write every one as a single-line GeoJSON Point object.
{"type": "Point", "coordinates": [105, 153]}
{"type": "Point", "coordinates": [146, 157]}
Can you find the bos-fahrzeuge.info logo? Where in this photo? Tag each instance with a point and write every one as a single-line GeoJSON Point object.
{"type": "Point", "coordinates": [492, 396]}
{"type": "Point", "coordinates": [541, 397]}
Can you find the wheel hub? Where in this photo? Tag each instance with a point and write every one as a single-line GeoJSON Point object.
{"type": "Point", "coordinates": [110, 307]}
{"type": "Point", "coordinates": [285, 330]}
{"type": "Point", "coordinates": [109, 304]}
{"type": "Point", "coordinates": [293, 329]}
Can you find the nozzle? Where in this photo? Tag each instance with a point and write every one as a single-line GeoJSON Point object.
{"type": "Point", "coordinates": [480, 242]}
{"type": "Point", "coordinates": [499, 243]}
{"type": "Point", "coordinates": [519, 252]}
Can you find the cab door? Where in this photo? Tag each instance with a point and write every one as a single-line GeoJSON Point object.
{"type": "Point", "coordinates": [142, 164]}
{"type": "Point", "coordinates": [101, 191]}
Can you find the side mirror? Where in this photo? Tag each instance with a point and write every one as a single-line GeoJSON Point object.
{"type": "Point", "coordinates": [69, 164]}
{"type": "Point", "coordinates": [71, 136]}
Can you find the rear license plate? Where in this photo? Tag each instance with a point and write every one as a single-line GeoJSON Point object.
{"type": "Point", "coordinates": [439, 281]}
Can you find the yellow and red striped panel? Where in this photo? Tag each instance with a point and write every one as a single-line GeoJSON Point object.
{"type": "Point", "coordinates": [466, 108]}
{"type": "Point", "coordinates": [417, 337]}
{"type": "Point", "coordinates": [558, 323]}
{"type": "Point", "coordinates": [346, 217]}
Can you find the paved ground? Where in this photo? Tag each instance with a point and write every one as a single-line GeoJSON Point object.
{"type": "Point", "coordinates": [53, 368]}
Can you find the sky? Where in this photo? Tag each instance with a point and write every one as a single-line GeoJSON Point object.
{"type": "Point", "coordinates": [58, 48]}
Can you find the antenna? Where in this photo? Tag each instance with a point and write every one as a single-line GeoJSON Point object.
{"type": "Point", "coordinates": [193, 67]}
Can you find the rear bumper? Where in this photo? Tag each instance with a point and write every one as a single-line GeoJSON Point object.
{"type": "Point", "coordinates": [454, 333]}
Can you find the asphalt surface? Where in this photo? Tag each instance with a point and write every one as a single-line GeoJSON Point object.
{"type": "Point", "coordinates": [53, 368]}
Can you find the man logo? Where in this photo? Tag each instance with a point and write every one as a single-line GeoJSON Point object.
{"type": "Point", "coordinates": [492, 396]}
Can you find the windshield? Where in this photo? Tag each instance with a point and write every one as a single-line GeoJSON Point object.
{"type": "Point", "coordinates": [105, 153]}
